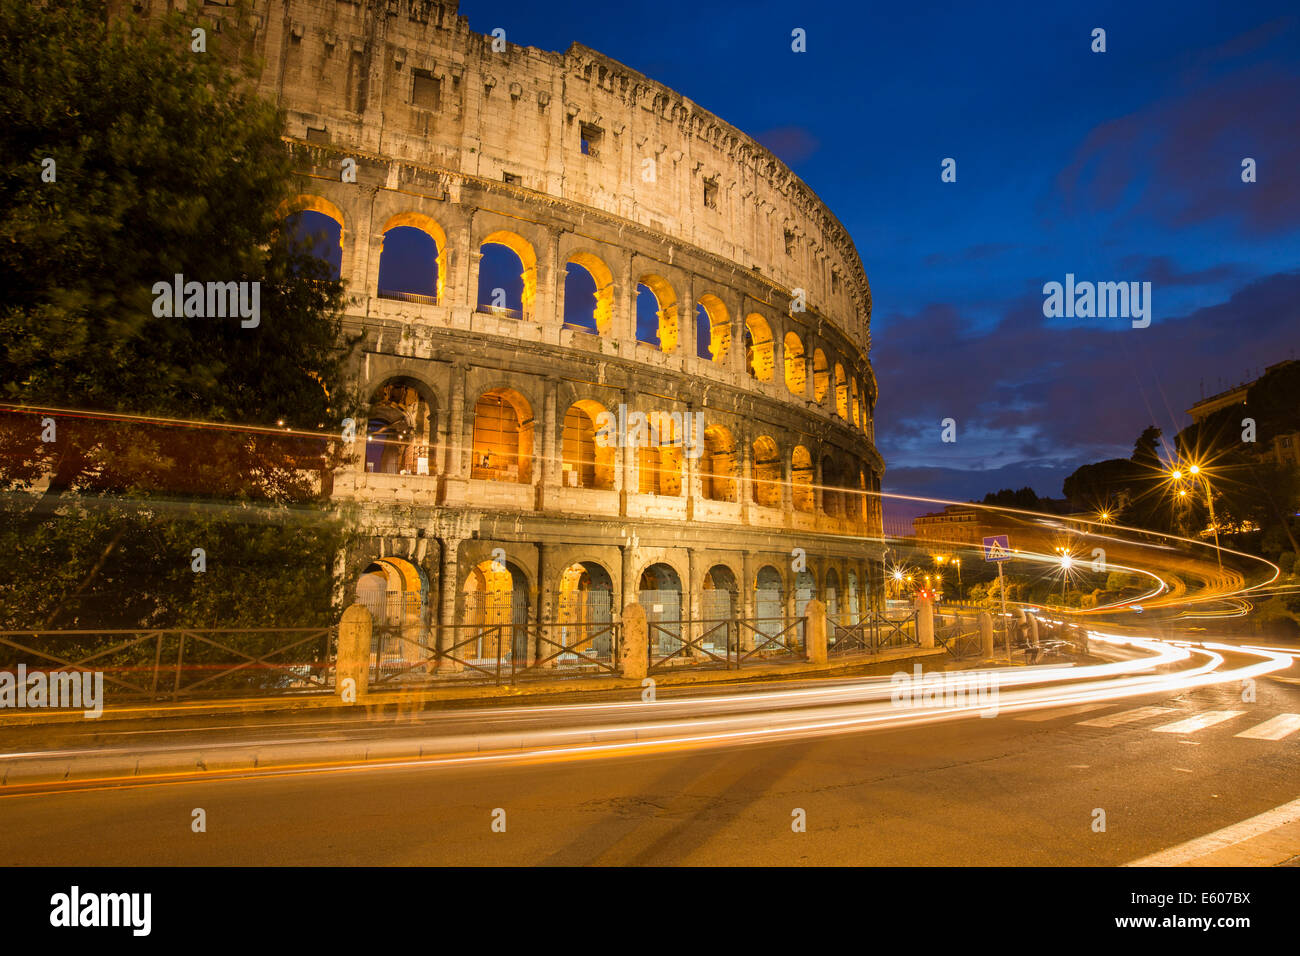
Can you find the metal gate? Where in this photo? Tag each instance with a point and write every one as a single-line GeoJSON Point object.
{"type": "Point", "coordinates": [716, 606]}
{"type": "Point", "coordinates": [663, 608]}
{"type": "Point", "coordinates": [506, 610]}
{"type": "Point", "coordinates": [583, 614]}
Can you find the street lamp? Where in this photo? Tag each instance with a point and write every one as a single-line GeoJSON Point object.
{"type": "Point", "coordinates": [1194, 470]}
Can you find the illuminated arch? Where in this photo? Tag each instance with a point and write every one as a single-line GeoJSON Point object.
{"type": "Point", "coordinates": [760, 350]}
{"type": "Point", "coordinates": [523, 250]}
{"type": "Point", "coordinates": [821, 375]}
{"type": "Point", "coordinates": [855, 402]}
{"type": "Point", "coordinates": [659, 458]}
{"type": "Point", "coordinates": [400, 428]}
{"type": "Point", "coordinates": [841, 393]}
{"type": "Point", "coordinates": [664, 302]}
{"type": "Point", "coordinates": [832, 487]}
{"type": "Point", "coordinates": [429, 226]}
{"type": "Point", "coordinates": [495, 596]}
{"type": "Point", "coordinates": [714, 325]}
{"type": "Point", "coordinates": [801, 480]}
{"type": "Point", "coordinates": [718, 466]}
{"type": "Point", "coordinates": [502, 446]}
{"type": "Point", "coordinates": [796, 364]}
{"type": "Point", "coordinates": [602, 312]}
{"type": "Point", "coordinates": [767, 472]}
{"type": "Point", "coordinates": [586, 462]}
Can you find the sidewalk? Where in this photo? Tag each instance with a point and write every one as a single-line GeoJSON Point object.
{"type": "Point", "coordinates": [528, 688]}
{"type": "Point", "coordinates": [1270, 839]}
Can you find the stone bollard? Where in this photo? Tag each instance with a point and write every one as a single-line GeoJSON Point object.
{"type": "Point", "coordinates": [1033, 629]}
{"type": "Point", "coordinates": [352, 661]}
{"type": "Point", "coordinates": [986, 634]}
{"type": "Point", "coordinates": [815, 644]}
{"type": "Point", "coordinates": [925, 622]}
{"type": "Point", "coordinates": [636, 643]}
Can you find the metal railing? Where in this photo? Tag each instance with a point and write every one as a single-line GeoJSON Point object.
{"type": "Point", "coordinates": [182, 663]}
{"type": "Point", "coordinates": [495, 653]}
{"type": "Point", "coordinates": [871, 635]}
{"type": "Point", "coordinates": [721, 642]}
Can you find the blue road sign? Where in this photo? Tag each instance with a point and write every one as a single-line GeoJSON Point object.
{"type": "Point", "coordinates": [997, 548]}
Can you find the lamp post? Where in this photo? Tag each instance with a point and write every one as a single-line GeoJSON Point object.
{"type": "Point", "coordinates": [1196, 474]}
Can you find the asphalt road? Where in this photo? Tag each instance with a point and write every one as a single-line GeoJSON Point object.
{"type": "Point", "coordinates": [1016, 789]}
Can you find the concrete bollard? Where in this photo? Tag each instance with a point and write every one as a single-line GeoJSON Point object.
{"type": "Point", "coordinates": [986, 634]}
{"type": "Point", "coordinates": [352, 662]}
{"type": "Point", "coordinates": [636, 643]}
{"type": "Point", "coordinates": [815, 645]}
{"type": "Point", "coordinates": [925, 622]}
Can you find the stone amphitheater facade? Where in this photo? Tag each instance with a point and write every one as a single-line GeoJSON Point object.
{"type": "Point", "coordinates": [491, 476]}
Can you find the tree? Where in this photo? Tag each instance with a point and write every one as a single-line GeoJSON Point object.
{"type": "Point", "coordinates": [162, 165]}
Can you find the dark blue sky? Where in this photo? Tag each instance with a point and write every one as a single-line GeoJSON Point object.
{"type": "Point", "coordinates": [1116, 166]}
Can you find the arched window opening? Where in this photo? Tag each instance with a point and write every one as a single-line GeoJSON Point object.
{"type": "Point", "coordinates": [586, 462]}
{"type": "Point", "coordinates": [801, 480]}
{"type": "Point", "coordinates": [767, 472]}
{"type": "Point", "coordinates": [796, 364]}
{"type": "Point", "coordinates": [502, 448]}
{"type": "Point", "coordinates": [408, 266]}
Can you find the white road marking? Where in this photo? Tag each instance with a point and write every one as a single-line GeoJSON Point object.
{"type": "Point", "coordinates": [1197, 722]}
{"type": "Point", "coordinates": [1221, 839]}
{"type": "Point", "coordinates": [1127, 716]}
{"type": "Point", "coordinates": [1063, 712]}
{"type": "Point", "coordinates": [1275, 728]}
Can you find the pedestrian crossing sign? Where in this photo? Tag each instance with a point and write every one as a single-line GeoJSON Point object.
{"type": "Point", "coordinates": [997, 548]}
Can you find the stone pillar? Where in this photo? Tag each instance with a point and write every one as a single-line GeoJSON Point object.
{"type": "Point", "coordinates": [925, 622]}
{"type": "Point", "coordinates": [739, 363]}
{"type": "Point", "coordinates": [815, 649]}
{"type": "Point", "coordinates": [690, 473]}
{"type": "Point", "coordinates": [624, 325]}
{"type": "Point", "coordinates": [810, 347]}
{"type": "Point", "coordinates": [544, 476]}
{"type": "Point", "coordinates": [635, 657]}
{"type": "Point", "coordinates": [628, 587]}
{"type": "Point", "coordinates": [352, 663]}
{"type": "Point", "coordinates": [745, 480]}
{"type": "Point", "coordinates": [630, 486]}
{"type": "Point", "coordinates": [818, 501]}
{"type": "Point", "coordinates": [1033, 629]}
{"type": "Point", "coordinates": [543, 612]}
{"type": "Point", "coordinates": [986, 634]}
{"type": "Point", "coordinates": [448, 581]}
{"type": "Point", "coordinates": [456, 451]}
{"type": "Point", "coordinates": [690, 601]}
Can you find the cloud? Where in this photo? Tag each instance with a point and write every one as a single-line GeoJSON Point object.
{"type": "Point", "coordinates": [1033, 396]}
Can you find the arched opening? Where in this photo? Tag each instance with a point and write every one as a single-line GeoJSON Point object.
{"type": "Point", "coordinates": [412, 259]}
{"type": "Point", "coordinates": [769, 608]}
{"type": "Point", "coordinates": [320, 236]}
{"type": "Point", "coordinates": [659, 457]}
{"type": "Point", "coordinates": [760, 355]}
{"type": "Point", "coordinates": [802, 496]}
{"type": "Point", "coordinates": [395, 592]}
{"type": "Point", "coordinates": [507, 276]}
{"type": "Point", "coordinates": [805, 588]}
{"type": "Point", "coordinates": [496, 614]}
{"type": "Point", "coordinates": [841, 393]}
{"type": "Point", "coordinates": [855, 402]}
{"type": "Point", "coordinates": [399, 429]}
{"type": "Point", "coordinates": [821, 375]}
{"type": "Point", "coordinates": [408, 266]}
{"type": "Point", "coordinates": [854, 600]}
{"type": "Point", "coordinates": [719, 609]}
{"type": "Point", "coordinates": [586, 462]}
{"type": "Point", "coordinates": [767, 472]}
{"type": "Point", "coordinates": [718, 467]}
{"type": "Point", "coordinates": [796, 364]}
{"type": "Point", "coordinates": [502, 448]}
{"type": "Point", "coordinates": [833, 481]}
{"type": "Point", "coordinates": [585, 610]}
{"type": "Point", "coordinates": [660, 594]}
{"type": "Point", "coordinates": [833, 597]}
{"type": "Point", "coordinates": [864, 501]}
{"type": "Point", "coordinates": [656, 313]}
{"type": "Point", "coordinates": [588, 294]}
{"type": "Point", "coordinates": [712, 329]}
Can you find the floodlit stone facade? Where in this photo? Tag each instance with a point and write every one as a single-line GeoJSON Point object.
{"type": "Point", "coordinates": [486, 472]}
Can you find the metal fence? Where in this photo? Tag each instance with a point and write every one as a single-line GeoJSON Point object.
{"type": "Point", "coordinates": [728, 642]}
{"type": "Point", "coordinates": [871, 635]}
{"type": "Point", "coordinates": [183, 663]}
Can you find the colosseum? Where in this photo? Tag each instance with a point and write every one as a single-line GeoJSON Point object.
{"type": "Point", "coordinates": [538, 246]}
